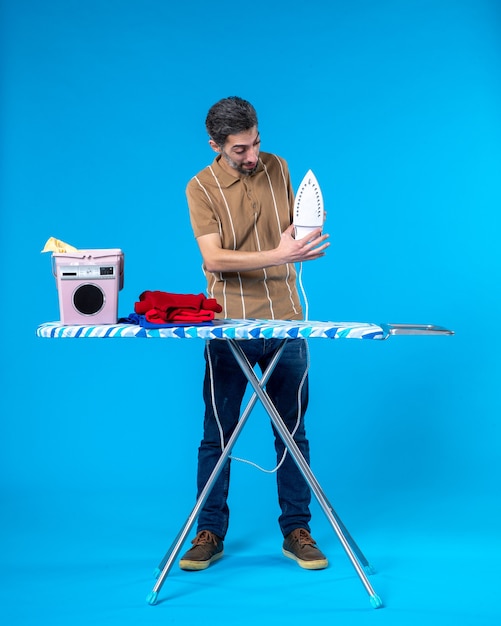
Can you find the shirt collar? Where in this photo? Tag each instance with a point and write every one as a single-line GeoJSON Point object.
{"type": "Point", "coordinates": [226, 179]}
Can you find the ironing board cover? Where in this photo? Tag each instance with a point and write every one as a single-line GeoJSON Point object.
{"type": "Point", "coordinates": [222, 329]}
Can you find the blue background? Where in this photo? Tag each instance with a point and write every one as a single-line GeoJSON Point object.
{"type": "Point", "coordinates": [396, 106]}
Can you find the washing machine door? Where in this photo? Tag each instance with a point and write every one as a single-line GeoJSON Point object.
{"type": "Point", "coordinates": [88, 299]}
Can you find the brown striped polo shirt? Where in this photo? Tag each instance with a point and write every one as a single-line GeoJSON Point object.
{"type": "Point", "coordinates": [249, 213]}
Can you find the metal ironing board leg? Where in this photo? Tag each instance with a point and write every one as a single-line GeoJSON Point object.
{"type": "Point", "coordinates": [170, 556]}
{"type": "Point", "coordinates": [349, 545]}
{"type": "Point", "coordinates": [361, 557]}
{"type": "Point", "coordinates": [303, 466]}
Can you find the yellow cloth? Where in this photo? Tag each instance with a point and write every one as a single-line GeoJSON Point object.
{"type": "Point", "coordinates": [56, 245]}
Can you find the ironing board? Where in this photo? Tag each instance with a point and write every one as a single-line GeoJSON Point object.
{"type": "Point", "coordinates": [235, 331]}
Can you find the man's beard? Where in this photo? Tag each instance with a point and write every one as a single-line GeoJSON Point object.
{"type": "Point", "coordinates": [238, 167]}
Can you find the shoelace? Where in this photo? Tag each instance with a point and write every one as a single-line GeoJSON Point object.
{"type": "Point", "coordinates": [303, 537]}
{"type": "Point", "coordinates": [205, 536]}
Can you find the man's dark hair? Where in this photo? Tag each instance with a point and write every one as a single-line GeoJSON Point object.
{"type": "Point", "coordinates": [229, 116]}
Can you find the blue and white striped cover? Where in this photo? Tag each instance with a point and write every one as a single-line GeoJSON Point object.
{"type": "Point", "coordinates": [222, 329]}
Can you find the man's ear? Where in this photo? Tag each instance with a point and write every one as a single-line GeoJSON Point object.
{"type": "Point", "coordinates": [214, 146]}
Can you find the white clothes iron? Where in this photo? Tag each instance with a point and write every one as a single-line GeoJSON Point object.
{"type": "Point", "coordinates": [308, 206]}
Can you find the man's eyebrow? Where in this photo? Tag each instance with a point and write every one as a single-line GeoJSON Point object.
{"type": "Point", "coordinates": [244, 145]}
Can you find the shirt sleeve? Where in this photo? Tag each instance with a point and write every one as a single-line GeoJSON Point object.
{"type": "Point", "coordinates": [203, 218]}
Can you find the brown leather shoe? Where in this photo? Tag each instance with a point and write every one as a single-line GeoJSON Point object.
{"type": "Point", "coordinates": [300, 546]}
{"type": "Point", "coordinates": [207, 548]}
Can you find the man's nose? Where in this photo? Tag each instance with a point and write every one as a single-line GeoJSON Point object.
{"type": "Point", "coordinates": [252, 153]}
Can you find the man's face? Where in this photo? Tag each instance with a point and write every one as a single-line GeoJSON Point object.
{"type": "Point", "coordinates": [240, 152]}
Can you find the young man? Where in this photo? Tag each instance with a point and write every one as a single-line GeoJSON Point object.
{"type": "Point", "coordinates": [241, 209]}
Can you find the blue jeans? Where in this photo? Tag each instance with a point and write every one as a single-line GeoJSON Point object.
{"type": "Point", "coordinates": [224, 388]}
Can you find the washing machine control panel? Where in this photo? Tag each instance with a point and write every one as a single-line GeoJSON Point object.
{"type": "Point", "coordinates": [95, 272]}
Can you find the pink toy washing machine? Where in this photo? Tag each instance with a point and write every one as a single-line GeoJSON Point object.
{"type": "Point", "coordinates": [88, 282]}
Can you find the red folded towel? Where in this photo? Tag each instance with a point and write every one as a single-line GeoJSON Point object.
{"type": "Point", "coordinates": [159, 307]}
